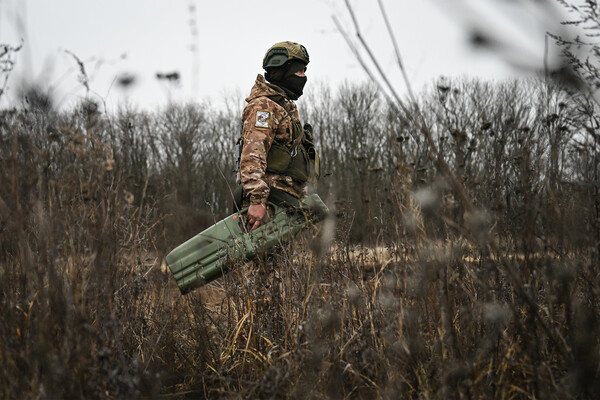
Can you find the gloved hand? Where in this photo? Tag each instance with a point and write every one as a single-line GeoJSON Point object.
{"type": "Point", "coordinates": [308, 132]}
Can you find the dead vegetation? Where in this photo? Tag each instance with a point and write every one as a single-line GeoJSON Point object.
{"type": "Point", "coordinates": [411, 296]}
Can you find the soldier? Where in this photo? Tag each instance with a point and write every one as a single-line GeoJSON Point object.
{"type": "Point", "coordinates": [278, 154]}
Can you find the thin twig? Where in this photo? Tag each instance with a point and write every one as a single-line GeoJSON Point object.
{"type": "Point", "coordinates": [372, 56]}
{"type": "Point", "coordinates": [364, 65]}
{"type": "Point", "coordinates": [397, 53]}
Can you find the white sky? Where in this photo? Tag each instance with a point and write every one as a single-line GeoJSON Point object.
{"type": "Point", "coordinates": [142, 38]}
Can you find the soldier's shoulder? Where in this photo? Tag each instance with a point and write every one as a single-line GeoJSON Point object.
{"type": "Point", "coordinates": [263, 103]}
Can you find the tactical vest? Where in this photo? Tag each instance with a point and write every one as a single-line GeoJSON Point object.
{"type": "Point", "coordinates": [300, 160]}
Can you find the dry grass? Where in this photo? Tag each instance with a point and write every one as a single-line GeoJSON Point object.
{"type": "Point", "coordinates": [431, 303]}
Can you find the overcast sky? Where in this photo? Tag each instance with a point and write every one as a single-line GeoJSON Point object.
{"type": "Point", "coordinates": [217, 47]}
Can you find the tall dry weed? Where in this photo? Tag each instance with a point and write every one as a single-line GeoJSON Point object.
{"type": "Point", "coordinates": [496, 301]}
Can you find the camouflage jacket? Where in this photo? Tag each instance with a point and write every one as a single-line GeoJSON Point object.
{"type": "Point", "coordinates": [264, 122]}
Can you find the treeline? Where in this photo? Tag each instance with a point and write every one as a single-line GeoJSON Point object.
{"type": "Point", "coordinates": [525, 151]}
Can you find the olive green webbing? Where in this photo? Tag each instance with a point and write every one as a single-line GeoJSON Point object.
{"type": "Point", "coordinates": [297, 131]}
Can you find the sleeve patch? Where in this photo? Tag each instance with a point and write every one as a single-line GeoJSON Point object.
{"type": "Point", "coordinates": [262, 119]}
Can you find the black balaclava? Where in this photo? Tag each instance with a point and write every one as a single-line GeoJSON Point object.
{"type": "Point", "coordinates": [285, 78]}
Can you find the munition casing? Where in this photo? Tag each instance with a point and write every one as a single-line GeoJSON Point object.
{"type": "Point", "coordinates": [214, 251]}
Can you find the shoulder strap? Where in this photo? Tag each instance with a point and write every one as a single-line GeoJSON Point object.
{"type": "Point", "coordinates": [280, 100]}
{"type": "Point", "coordinates": [277, 98]}
{"type": "Point", "coordinates": [298, 132]}
{"type": "Point", "coordinates": [282, 198]}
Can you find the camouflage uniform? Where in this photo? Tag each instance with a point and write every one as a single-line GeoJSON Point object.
{"type": "Point", "coordinates": [270, 122]}
{"type": "Point", "coordinates": [265, 122]}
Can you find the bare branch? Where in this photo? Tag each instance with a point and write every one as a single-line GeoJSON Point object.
{"type": "Point", "coordinates": [371, 56]}
{"type": "Point", "coordinates": [397, 52]}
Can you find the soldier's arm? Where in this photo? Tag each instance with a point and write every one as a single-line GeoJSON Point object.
{"type": "Point", "coordinates": [258, 133]}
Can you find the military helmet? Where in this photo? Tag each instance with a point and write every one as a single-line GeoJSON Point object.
{"type": "Point", "coordinates": [282, 52]}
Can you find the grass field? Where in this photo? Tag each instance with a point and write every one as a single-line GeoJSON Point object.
{"type": "Point", "coordinates": [406, 292]}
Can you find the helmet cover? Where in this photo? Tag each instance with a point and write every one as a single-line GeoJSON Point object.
{"type": "Point", "coordinates": [282, 52]}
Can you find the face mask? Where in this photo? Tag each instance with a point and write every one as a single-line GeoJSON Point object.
{"type": "Point", "coordinates": [285, 78]}
{"type": "Point", "coordinates": [295, 84]}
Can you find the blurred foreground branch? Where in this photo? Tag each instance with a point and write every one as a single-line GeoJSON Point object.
{"type": "Point", "coordinates": [7, 63]}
